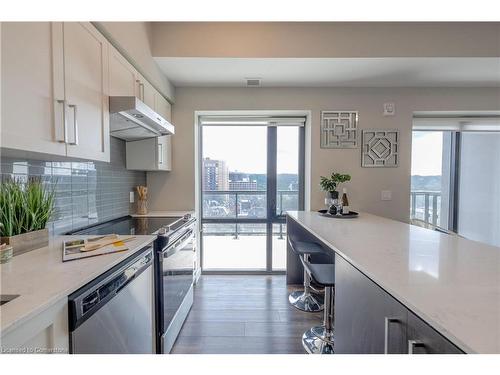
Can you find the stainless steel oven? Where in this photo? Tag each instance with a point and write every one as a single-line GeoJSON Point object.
{"type": "Point", "coordinates": [174, 269]}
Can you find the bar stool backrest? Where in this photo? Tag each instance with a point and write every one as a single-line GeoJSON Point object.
{"type": "Point", "coordinates": [292, 245]}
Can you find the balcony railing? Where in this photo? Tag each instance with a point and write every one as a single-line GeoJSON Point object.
{"type": "Point", "coordinates": [236, 230]}
{"type": "Point", "coordinates": [426, 206]}
{"type": "Point", "coordinates": [248, 204]}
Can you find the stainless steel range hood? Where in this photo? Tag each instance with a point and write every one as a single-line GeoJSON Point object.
{"type": "Point", "coordinates": [132, 120]}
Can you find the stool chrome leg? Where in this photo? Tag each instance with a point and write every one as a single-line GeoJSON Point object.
{"type": "Point", "coordinates": [320, 340]}
{"type": "Point", "coordinates": [306, 300]}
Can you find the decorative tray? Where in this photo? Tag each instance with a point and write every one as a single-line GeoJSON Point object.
{"type": "Point", "coordinates": [350, 215]}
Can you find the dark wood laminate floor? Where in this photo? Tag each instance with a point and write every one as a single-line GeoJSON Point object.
{"type": "Point", "coordinates": [243, 315]}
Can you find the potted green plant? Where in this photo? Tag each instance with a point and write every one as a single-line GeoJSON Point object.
{"type": "Point", "coordinates": [25, 209]}
{"type": "Point", "coordinates": [330, 184]}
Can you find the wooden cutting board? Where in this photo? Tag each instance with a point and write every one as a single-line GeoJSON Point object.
{"type": "Point", "coordinates": [72, 248]}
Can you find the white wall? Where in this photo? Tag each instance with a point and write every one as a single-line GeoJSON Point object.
{"type": "Point", "coordinates": [176, 189]}
{"type": "Point", "coordinates": [134, 40]}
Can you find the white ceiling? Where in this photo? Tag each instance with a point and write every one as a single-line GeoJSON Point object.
{"type": "Point", "coordinates": [331, 72]}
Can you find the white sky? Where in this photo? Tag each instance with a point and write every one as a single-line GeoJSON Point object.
{"type": "Point", "coordinates": [426, 153]}
{"type": "Point", "coordinates": [244, 148]}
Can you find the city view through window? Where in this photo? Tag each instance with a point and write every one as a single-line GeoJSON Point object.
{"type": "Point", "coordinates": [234, 187]}
{"type": "Point", "coordinates": [472, 182]}
{"type": "Point", "coordinates": [430, 174]}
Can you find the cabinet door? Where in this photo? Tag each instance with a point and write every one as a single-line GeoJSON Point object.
{"type": "Point", "coordinates": [45, 333]}
{"type": "Point", "coordinates": [423, 339]}
{"type": "Point", "coordinates": [122, 75]}
{"type": "Point", "coordinates": [31, 116]}
{"type": "Point", "coordinates": [162, 107]}
{"type": "Point", "coordinates": [146, 91]}
{"type": "Point", "coordinates": [86, 86]}
{"type": "Point", "coordinates": [152, 154]}
{"type": "Point", "coordinates": [164, 153]}
{"type": "Point", "coordinates": [367, 319]}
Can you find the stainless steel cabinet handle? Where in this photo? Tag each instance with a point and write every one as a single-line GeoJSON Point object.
{"type": "Point", "coordinates": [75, 124]}
{"type": "Point", "coordinates": [65, 125]}
{"type": "Point", "coordinates": [387, 322]}
{"type": "Point", "coordinates": [160, 153]}
{"type": "Point", "coordinates": [412, 344]}
{"type": "Point", "coordinates": [141, 90]}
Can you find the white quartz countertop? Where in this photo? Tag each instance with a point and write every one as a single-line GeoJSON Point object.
{"type": "Point", "coordinates": [451, 283]}
{"type": "Point", "coordinates": [164, 214]}
{"type": "Point", "coordinates": [41, 278]}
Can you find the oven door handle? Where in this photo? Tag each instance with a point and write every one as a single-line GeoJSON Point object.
{"type": "Point", "coordinates": [170, 252]}
{"type": "Point", "coordinates": [179, 244]}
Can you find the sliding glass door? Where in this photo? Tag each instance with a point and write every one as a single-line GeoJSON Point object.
{"type": "Point", "coordinates": [251, 174]}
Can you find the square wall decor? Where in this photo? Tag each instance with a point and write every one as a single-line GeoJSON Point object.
{"type": "Point", "coordinates": [339, 129]}
{"type": "Point", "coordinates": [380, 148]}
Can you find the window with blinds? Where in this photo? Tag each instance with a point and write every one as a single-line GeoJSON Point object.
{"type": "Point", "coordinates": [252, 120]}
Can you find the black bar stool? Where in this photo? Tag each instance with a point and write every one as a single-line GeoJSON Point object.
{"type": "Point", "coordinates": [319, 339]}
{"type": "Point", "coordinates": [306, 300]}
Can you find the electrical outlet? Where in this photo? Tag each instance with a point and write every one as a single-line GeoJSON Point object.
{"type": "Point", "coordinates": [132, 197]}
{"type": "Point", "coordinates": [386, 195]}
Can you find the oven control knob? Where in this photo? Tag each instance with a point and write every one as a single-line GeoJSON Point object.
{"type": "Point", "coordinates": [186, 217]}
{"type": "Point", "coordinates": [162, 231]}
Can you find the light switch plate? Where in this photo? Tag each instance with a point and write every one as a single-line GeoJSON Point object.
{"type": "Point", "coordinates": [132, 197]}
{"type": "Point", "coordinates": [386, 195]}
{"type": "Point", "coordinates": [389, 109]}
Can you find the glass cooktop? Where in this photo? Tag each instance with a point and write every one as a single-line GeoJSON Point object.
{"type": "Point", "coordinates": [129, 226]}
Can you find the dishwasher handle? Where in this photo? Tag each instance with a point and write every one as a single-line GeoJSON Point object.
{"type": "Point", "coordinates": [130, 273]}
{"type": "Point", "coordinates": [89, 299]}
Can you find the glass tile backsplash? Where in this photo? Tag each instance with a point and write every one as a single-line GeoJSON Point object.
{"type": "Point", "coordinates": [86, 192]}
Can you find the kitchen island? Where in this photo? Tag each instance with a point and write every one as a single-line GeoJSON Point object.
{"type": "Point", "coordinates": [394, 280]}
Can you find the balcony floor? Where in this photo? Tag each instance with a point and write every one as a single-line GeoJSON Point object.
{"type": "Point", "coordinates": [244, 253]}
{"type": "Point", "coordinates": [243, 315]}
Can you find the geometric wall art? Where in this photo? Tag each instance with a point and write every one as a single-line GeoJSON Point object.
{"type": "Point", "coordinates": [380, 148]}
{"type": "Point", "coordinates": [339, 129]}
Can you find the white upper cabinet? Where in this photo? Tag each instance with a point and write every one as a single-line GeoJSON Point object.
{"type": "Point", "coordinates": [55, 89]}
{"type": "Point", "coordinates": [163, 107]}
{"type": "Point", "coordinates": [125, 80]}
{"type": "Point", "coordinates": [152, 154]}
{"type": "Point", "coordinates": [28, 103]}
{"type": "Point", "coordinates": [122, 75]}
{"type": "Point", "coordinates": [85, 77]}
{"type": "Point", "coordinates": [164, 153]}
{"type": "Point", "coordinates": [56, 81]}
{"type": "Point", "coordinates": [145, 91]}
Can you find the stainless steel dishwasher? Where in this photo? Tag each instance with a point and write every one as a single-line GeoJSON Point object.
{"type": "Point", "coordinates": [115, 312]}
